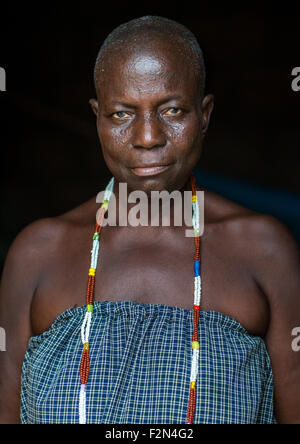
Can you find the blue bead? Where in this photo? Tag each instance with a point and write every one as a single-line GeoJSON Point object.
{"type": "Point", "coordinates": [197, 268]}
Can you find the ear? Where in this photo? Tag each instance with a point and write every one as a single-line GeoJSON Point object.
{"type": "Point", "coordinates": [207, 107]}
{"type": "Point", "coordinates": [94, 105]}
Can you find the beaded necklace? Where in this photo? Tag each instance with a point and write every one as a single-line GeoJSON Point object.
{"type": "Point", "coordinates": [86, 325]}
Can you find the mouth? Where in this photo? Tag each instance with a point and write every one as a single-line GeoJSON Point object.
{"type": "Point", "coordinates": [149, 170]}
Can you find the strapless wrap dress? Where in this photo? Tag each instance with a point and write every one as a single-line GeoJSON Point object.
{"type": "Point", "coordinates": [140, 367]}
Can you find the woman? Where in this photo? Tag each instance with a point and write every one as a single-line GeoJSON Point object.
{"type": "Point", "coordinates": [128, 354]}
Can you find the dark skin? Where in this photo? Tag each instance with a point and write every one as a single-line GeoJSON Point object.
{"type": "Point", "coordinates": [250, 262]}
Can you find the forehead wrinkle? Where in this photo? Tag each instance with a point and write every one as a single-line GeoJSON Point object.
{"type": "Point", "coordinates": [133, 89]}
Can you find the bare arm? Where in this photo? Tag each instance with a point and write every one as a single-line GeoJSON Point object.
{"type": "Point", "coordinates": [278, 273]}
{"type": "Point", "coordinates": [18, 284]}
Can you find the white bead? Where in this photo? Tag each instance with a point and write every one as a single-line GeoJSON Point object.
{"type": "Point", "coordinates": [197, 290]}
{"type": "Point", "coordinates": [86, 324]}
{"type": "Point", "coordinates": [95, 253]}
{"type": "Point", "coordinates": [194, 369]}
{"type": "Point", "coordinates": [82, 405]}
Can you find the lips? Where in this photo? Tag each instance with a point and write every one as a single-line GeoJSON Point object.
{"type": "Point", "coordinates": [149, 170]}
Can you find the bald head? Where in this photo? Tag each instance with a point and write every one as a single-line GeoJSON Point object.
{"type": "Point", "coordinates": [143, 35]}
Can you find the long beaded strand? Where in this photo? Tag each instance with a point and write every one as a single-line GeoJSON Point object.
{"type": "Point", "coordinates": [86, 325]}
{"type": "Point", "coordinates": [197, 297]}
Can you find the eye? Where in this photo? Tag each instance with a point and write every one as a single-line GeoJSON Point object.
{"type": "Point", "coordinates": [121, 115]}
{"type": "Point", "coordinates": [174, 111]}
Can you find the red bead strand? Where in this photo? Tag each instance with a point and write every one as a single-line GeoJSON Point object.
{"type": "Point", "coordinates": [196, 316]}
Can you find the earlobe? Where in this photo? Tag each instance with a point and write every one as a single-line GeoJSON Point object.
{"type": "Point", "coordinates": [94, 105]}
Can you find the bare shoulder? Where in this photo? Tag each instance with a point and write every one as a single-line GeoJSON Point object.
{"type": "Point", "coordinates": [42, 239]}
{"type": "Point", "coordinates": [34, 241]}
{"type": "Point", "coordinates": [27, 248]}
{"type": "Point", "coordinates": [266, 243]}
{"type": "Point", "coordinates": [265, 229]}
{"type": "Point", "coordinates": [276, 259]}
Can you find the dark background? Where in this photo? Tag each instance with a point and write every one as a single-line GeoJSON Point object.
{"type": "Point", "coordinates": [50, 156]}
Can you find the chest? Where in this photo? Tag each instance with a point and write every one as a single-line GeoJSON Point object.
{"type": "Point", "coordinates": [158, 271]}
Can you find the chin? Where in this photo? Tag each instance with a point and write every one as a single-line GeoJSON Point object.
{"type": "Point", "coordinates": [147, 184]}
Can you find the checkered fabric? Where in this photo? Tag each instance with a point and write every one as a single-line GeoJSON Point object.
{"type": "Point", "coordinates": [140, 368]}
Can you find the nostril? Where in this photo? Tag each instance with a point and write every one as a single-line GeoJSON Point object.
{"type": "Point", "coordinates": [149, 135]}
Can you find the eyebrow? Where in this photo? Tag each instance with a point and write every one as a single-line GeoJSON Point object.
{"type": "Point", "coordinates": [129, 105]}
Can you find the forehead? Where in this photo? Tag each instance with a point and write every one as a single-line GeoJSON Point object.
{"type": "Point", "coordinates": [155, 68]}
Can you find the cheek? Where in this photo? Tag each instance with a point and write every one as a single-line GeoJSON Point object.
{"type": "Point", "coordinates": [113, 140]}
{"type": "Point", "coordinates": [185, 136]}
{"type": "Point", "coordinates": [114, 144]}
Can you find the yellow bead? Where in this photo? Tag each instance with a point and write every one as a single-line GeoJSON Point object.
{"type": "Point", "coordinates": [194, 198]}
{"type": "Point", "coordinates": [86, 346]}
{"type": "Point", "coordinates": [196, 345]}
{"type": "Point", "coordinates": [92, 272]}
{"type": "Point", "coordinates": [193, 384]}
{"type": "Point", "coordinates": [105, 205]}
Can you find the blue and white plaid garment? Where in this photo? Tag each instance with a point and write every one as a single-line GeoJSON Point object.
{"type": "Point", "coordinates": [140, 369]}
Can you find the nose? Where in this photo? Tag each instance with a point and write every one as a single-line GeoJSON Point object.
{"type": "Point", "coordinates": [148, 133]}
